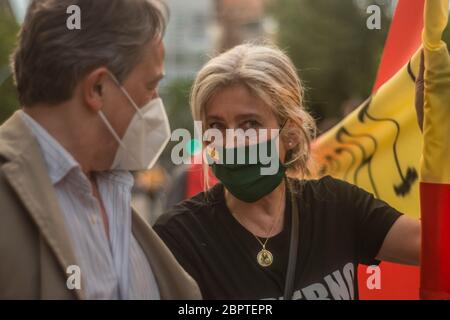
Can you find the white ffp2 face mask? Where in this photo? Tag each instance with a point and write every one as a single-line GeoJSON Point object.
{"type": "Point", "coordinates": [146, 137]}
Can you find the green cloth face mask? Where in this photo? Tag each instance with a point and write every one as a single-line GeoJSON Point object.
{"type": "Point", "coordinates": [254, 176]}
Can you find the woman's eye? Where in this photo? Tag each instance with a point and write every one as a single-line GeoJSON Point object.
{"type": "Point", "coordinates": [251, 124]}
{"type": "Point", "coordinates": [216, 125]}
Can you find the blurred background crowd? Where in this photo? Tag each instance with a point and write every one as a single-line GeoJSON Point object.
{"type": "Point", "coordinates": [335, 53]}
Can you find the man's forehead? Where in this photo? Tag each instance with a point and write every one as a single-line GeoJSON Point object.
{"type": "Point", "coordinates": [153, 60]}
{"type": "Point", "coordinates": [156, 47]}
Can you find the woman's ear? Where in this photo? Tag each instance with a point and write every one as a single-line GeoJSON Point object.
{"type": "Point", "coordinates": [290, 143]}
{"type": "Point", "coordinates": [288, 136]}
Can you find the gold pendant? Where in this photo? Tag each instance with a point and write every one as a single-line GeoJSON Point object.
{"type": "Point", "coordinates": [265, 258]}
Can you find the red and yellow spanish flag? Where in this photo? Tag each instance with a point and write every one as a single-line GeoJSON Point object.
{"type": "Point", "coordinates": [435, 162]}
{"type": "Point", "coordinates": [379, 147]}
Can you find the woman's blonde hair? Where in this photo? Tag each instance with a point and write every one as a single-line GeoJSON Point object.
{"type": "Point", "coordinates": [270, 75]}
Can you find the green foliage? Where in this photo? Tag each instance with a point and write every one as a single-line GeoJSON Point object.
{"type": "Point", "coordinates": [336, 54]}
{"type": "Point", "coordinates": [176, 100]}
{"type": "Point", "coordinates": [446, 36]}
{"type": "Point", "coordinates": [8, 31]}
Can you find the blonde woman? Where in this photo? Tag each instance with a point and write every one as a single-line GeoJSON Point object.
{"type": "Point", "coordinates": [256, 236]}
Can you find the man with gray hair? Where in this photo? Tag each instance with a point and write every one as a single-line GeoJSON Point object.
{"type": "Point", "coordinates": [90, 115]}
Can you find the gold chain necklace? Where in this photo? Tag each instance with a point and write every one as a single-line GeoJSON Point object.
{"type": "Point", "coordinates": [264, 256]}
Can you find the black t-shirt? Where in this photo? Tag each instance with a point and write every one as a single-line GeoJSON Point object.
{"type": "Point", "coordinates": [340, 226]}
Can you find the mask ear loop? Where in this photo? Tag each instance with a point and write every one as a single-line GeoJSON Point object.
{"type": "Point", "coordinates": [284, 124]}
{"type": "Point", "coordinates": [111, 130]}
{"type": "Point", "coordinates": [279, 134]}
{"type": "Point", "coordinates": [107, 123]}
{"type": "Point", "coordinates": [281, 129]}
{"type": "Point", "coordinates": [126, 94]}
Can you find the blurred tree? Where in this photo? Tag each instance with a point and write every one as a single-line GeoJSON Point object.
{"type": "Point", "coordinates": [336, 54]}
{"type": "Point", "coordinates": [176, 100]}
{"type": "Point", "coordinates": [447, 36]}
{"type": "Point", "coordinates": [8, 31]}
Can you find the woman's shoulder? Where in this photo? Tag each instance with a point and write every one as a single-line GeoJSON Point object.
{"type": "Point", "coordinates": [325, 188]}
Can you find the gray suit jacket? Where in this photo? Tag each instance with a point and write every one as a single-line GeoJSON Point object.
{"type": "Point", "coordinates": [35, 250]}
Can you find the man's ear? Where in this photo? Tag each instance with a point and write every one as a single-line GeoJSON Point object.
{"type": "Point", "coordinates": [93, 88]}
